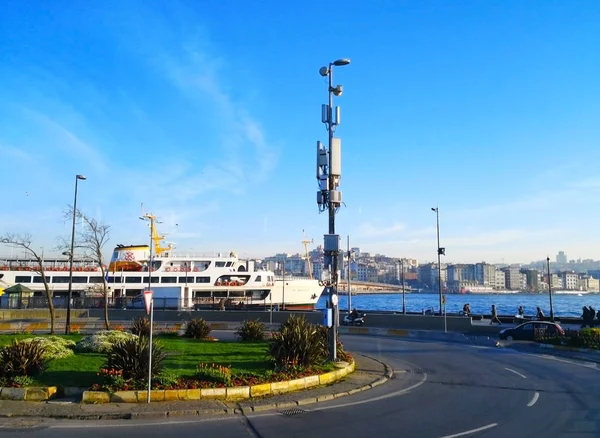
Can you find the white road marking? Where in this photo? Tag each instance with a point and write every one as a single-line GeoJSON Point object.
{"type": "Point", "coordinates": [472, 431]}
{"type": "Point", "coordinates": [534, 399]}
{"type": "Point", "coordinates": [516, 372]}
{"type": "Point", "coordinates": [369, 400]}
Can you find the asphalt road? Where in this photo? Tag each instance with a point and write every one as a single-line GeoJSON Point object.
{"type": "Point", "coordinates": [451, 390]}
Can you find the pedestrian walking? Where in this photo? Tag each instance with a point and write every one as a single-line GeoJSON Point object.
{"type": "Point", "coordinates": [495, 318]}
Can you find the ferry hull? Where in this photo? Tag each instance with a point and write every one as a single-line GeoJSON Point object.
{"type": "Point", "coordinates": [297, 294]}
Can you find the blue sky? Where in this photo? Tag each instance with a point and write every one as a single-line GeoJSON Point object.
{"type": "Point", "coordinates": [207, 113]}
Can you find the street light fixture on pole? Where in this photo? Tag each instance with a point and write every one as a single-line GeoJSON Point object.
{"type": "Point", "coordinates": [329, 166]}
{"type": "Point", "coordinates": [440, 253]}
{"type": "Point", "coordinates": [550, 290]}
{"type": "Point", "coordinates": [70, 294]}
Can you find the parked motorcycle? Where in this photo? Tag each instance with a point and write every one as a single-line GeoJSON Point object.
{"type": "Point", "coordinates": [356, 321]}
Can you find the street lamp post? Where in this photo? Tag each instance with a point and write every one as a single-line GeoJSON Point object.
{"type": "Point", "coordinates": [403, 291]}
{"type": "Point", "coordinates": [550, 290]}
{"type": "Point", "coordinates": [70, 294]}
{"type": "Point", "coordinates": [151, 219]}
{"type": "Point", "coordinates": [440, 252]}
{"type": "Point", "coordinates": [329, 163]}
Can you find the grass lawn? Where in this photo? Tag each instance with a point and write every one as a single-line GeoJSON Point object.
{"type": "Point", "coordinates": [183, 357]}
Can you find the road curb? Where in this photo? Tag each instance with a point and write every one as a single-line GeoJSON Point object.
{"type": "Point", "coordinates": [403, 333]}
{"type": "Point", "coordinates": [539, 346]}
{"type": "Point", "coordinates": [565, 348]}
{"type": "Point", "coordinates": [387, 375]}
{"type": "Point", "coordinates": [226, 410]}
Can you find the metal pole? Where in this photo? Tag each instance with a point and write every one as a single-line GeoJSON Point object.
{"type": "Point", "coordinates": [550, 290]}
{"type": "Point", "coordinates": [333, 286]}
{"type": "Point", "coordinates": [403, 292]}
{"type": "Point", "coordinates": [271, 312]}
{"type": "Point", "coordinates": [445, 320]}
{"type": "Point", "coordinates": [150, 257]}
{"type": "Point", "coordinates": [70, 294]}
{"type": "Point", "coordinates": [348, 274]}
{"type": "Point", "coordinates": [283, 289]}
{"type": "Point", "coordinates": [437, 214]}
{"type": "Point", "coordinates": [150, 351]}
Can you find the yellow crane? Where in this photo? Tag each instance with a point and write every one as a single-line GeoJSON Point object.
{"type": "Point", "coordinates": [305, 243]}
{"type": "Point", "coordinates": [156, 239]}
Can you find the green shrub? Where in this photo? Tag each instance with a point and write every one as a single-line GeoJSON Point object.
{"type": "Point", "coordinates": [297, 343]}
{"type": "Point", "coordinates": [166, 379]}
{"type": "Point", "coordinates": [251, 330]}
{"type": "Point", "coordinates": [55, 347]}
{"type": "Point", "coordinates": [587, 338]}
{"type": "Point", "coordinates": [16, 382]}
{"type": "Point", "coordinates": [197, 329]}
{"type": "Point", "coordinates": [141, 326]}
{"type": "Point", "coordinates": [130, 357]}
{"type": "Point", "coordinates": [102, 342]}
{"type": "Point", "coordinates": [323, 334]}
{"type": "Point", "coordinates": [22, 359]}
{"type": "Point", "coordinates": [214, 373]}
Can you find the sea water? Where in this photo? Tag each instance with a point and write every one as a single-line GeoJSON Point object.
{"type": "Point", "coordinates": [507, 304]}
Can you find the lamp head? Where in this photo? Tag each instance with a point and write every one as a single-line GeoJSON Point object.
{"type": "Point", "coordinates": [433, 209]}
{"type": "Point", "coordinates": [81, 177]}
{"type": "Point", "coordinates": [340, 62]}
{"type": "Point", "coordinates": [323, 71]}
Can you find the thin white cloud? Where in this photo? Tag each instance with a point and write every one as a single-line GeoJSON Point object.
{"type": "Point", "coordinates": [571, 192]}
{"type": "Point", "coordinates": [67, 140]}
{"type": "Point", "coordinates": [9, 152]}
{"type": "Point", "coordinates": [369, 230]}
{"type": "Point", "coordinates": [246, 155]}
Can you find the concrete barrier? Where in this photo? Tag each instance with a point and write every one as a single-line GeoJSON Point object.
{"type": "Point", "coordinates": [93, 318]}
{"type": "Point", "coordinates": [40, 314]}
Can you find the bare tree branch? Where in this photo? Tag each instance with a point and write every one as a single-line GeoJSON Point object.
{"type": "Point", "coordinates": [24, 241]}
{"type": "Point", "coordinates": [91, 241]}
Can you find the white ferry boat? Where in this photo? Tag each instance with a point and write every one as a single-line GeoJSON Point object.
{"type": "Point", "coordinates": [485, 290]}
{"type": "Point", "coordinates": [182, 281]}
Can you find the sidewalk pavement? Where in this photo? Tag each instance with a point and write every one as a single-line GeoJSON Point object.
{"type": "Point", "coordinates": [369, 373]}
{"type": "Point", "coordinates": [582, 354]}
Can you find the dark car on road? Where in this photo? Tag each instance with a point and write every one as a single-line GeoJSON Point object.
{"type": "Point", "coordinates": [530, 331]}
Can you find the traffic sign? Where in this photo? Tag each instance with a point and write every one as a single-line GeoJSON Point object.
{"type": "Point", "coordinates": [148, 300]}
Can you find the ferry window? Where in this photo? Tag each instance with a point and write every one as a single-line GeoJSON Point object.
{"type": "Point", "coordinates": [201, 265]}
{"type": "Point", "coordinates": [39, 279]}
{"type": "Point", "coordinates": [220, 264]}
{"type": "Point", "coordinates": [80, 279]}
{"type": "Point", "coordinates": [23, 279]}
{"type": "Point", "coordinates": [186, 279]}
{"type": "Point", "coordinates": [64, 279]}
{"type": "Point", "coordinates": [202, 279]}
{"type": "Point", "coordinates": [133, 279]}
{"type": "Point", "coordinates": [153, 279]}
{"type": "Point", "coordinates": [95, 280]}
{"type": "Point", "coordinates": [113, 280]}
{"type": "Point", "coordinates": [168, 280]}
{"type": "Point", "coordinates": [258, 278]}
{"type": "Point", "coordinates": [229, 264]}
